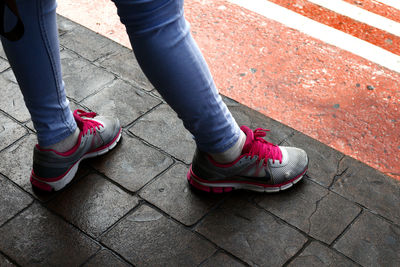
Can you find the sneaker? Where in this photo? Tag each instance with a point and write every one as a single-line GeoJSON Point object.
{"type": "Point", "coordinates": [53, 170]}
{"type": "Point", "coordinates": [262, 167]}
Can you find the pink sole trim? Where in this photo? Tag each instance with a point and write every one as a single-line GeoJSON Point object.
{"type": "Point", "coordinates": [209, 189]}
{"type": "Point", "coordinates": [42, 186]}
{"type": "Point", "coordinates": [215, 187]}
{"type": "Point", "coordinates": [43, 183]}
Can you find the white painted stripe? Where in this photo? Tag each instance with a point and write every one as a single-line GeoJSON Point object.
{"type": "Point", "coordinates": [322, 32]}
{"type": "Point", "coordinates": [360, 14]}
{"type": "Point", "coordinates": [392, 3]}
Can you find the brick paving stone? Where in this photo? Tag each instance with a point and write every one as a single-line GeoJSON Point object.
{"type": "Point", "coordinates": [87, 43]}
{"type": "Point", "coordinates": [65, 25]}
{"type": "Point", "coordinates": [16, 164]}
{"type": "Point", "coordinates": [3, 65]}
{"type": "Point", "coordinates": [318, 255]}
{"type": "Point", "coordinates": [230, 102]}
{"type": "Point", "coordinates": [156, 93]}
{"type": "Point", "coordinates": [93, 204]}
{"type": "Point", "coordinates": [29, 124]}
{"type": "Point", "coordinates": [10, 131]}
{"type": "Point", "coordinates": [323, 165]}
{"type": "Point", "coordinates": [2, 54]}
{"type": "Point", "coordinates": [124, 65]}
{"type": "Point", "coordinates": [147, 238]}
{"type": "Point", "coordinates": [4, 262]}
{"type": "Point", "coordinates": [81, 77]}
{"type": "Point", "coordinates": [313, 209]}
{"type": "Point", "coordinates": [164, 129]}
{"type": "Point", "coordinates": [121, 100]}
{"type": "Point", "coordinates": [251, 234]}
{"type": "Point", "coordinates": [12, 200]}
{"type": "Point", "coordinates": [9, 76]}
{"type": "Point", "coordinates": [221, 259]}
{"type": "Point", "coordinates": [12, 100]}
{"type": "Point", "coordinates": [36, 237]}
{"type": "Point", "coordinates": [365, 185]}
{"type": "Point", "coordinates": [171, 193]}
{"type": "Point", "coordinates": [132, 164]}
{"type": "Point", "coordinates": [371, 241]}
{"type": "Point", "coordinates": [16, 161]}
{"type": "Point", "coordinates": [105, 258]}
{"type": "Point", "coordinates": [253, 119]}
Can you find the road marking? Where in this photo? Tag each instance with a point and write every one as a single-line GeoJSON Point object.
{"type": "Point", "coordinates": [377, 8]}
{"type": "Point", "coordinates": [363, 31]}
{"type": "Point", "coordinates": [322, 32]}
{"type": "Point", "coordinates": [360, 14]}
{"type": "Point", "coordinates": [392, 3]}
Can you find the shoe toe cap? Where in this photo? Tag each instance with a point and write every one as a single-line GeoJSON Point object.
{"type": "Point", "coordinates": [110, 129]}
{"type": "Point", "coordinates": [294, 163]}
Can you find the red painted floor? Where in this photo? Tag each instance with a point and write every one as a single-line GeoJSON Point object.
{"type": "Point", "coordinates": [341, 99]}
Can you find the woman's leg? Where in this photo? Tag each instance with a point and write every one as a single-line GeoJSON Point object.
{"type": "Point", "coordinates": [171, 60]}
{"type": "Point", "coordinates": [64, 138]}
{"type": "Point", "coordinates": [35, 60]}
{"type": "Point", "coordinates": [173, 63]}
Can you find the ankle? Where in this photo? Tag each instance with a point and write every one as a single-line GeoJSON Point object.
{"type": "Point", "coordinates": [67, 143]}
{"type": "Point", "coordinates": [232, 153]}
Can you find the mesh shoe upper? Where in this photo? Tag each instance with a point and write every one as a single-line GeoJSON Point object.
{"type": "Point", "coordinates": [96, 132]}
{"type": "Point", "coordinates": [260, 162]}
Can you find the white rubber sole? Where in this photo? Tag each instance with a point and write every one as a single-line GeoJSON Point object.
{"type": "Point", "coordinates": [227, 187]}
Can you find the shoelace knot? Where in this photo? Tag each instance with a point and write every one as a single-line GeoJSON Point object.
{"type": "Point", "coordinates": [86, 125]}
{"type": "Point", "coordinates": [264, 149]}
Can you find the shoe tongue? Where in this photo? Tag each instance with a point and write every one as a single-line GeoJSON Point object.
{"type": "Point", "coordinates": [79, 120]}
{"type": "Point", "coordinates": [249, 140]}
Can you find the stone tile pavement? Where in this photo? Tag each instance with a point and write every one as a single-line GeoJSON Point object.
{"type": "Point", "coordinates": [133, 206]}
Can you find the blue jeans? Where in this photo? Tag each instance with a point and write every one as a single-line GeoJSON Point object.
{"type": "Point", "coordinates": [164, 48]}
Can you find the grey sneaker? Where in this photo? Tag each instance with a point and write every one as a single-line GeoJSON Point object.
{"type": "Point", "coordinates": [53, 170]}
{"type": "Point", "coordinates": [262, 167]}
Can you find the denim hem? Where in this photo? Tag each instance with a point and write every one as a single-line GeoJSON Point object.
{"type": "Point", "coordinates": [44, 141]}
{"type": "Point", "coordinates": [219, 148]}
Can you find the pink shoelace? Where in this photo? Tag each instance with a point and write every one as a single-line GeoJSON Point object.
{"type": "Point", "coordinates": [86, 125]}
{"type": "Point", "coordinates": [264, 149]}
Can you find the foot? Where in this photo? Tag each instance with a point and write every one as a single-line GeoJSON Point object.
{"type": "Point", "coordinates": [53, 170]}
{"type": "Point", "coordinates": [262, 167]}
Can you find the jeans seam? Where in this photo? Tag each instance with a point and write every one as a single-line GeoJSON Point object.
{"type": "Point", "coordinates": [46, 41]}
{"type": "Point", "coordinates": [225, 144]}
